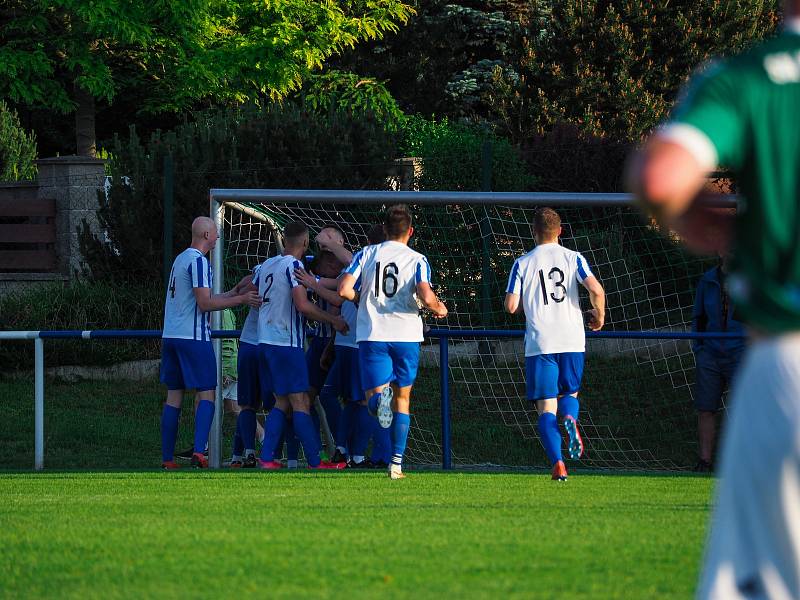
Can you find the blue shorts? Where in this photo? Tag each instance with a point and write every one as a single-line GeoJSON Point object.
{"type": "Point", "coordinates": [553, 375]}
{"type": "Point", "coordinates": [713, 377]}
{"type": "Point", "coordinates": [188, 364]}
{"type": "Point", "coordinates": [345, 375]}
{"type": "Point", "coordinates": [316, 376]}
{"type": "Point", "coordinates": [251, 389]}
{"type": "Point", "coordinates": [388, 362]}
{"type": "Point", "coordinates": [283, 369]}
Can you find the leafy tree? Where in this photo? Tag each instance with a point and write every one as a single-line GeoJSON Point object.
{"type": "Point", "coordinates": [65, 55]}
{"type": "Point", "coordinates": [277, 145]}
{"type": "Point", "coordinates": [17, 147]}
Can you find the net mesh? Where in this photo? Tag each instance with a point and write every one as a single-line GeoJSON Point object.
{"type": "Point", "coordinates": [636, 398]}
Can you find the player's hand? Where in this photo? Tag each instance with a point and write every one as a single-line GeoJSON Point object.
{"type": "Point", "coordinates": [251, 299]}
{"type": "Point", "coordinates": [245, 285]}
{"type": "Point", "coordinates": [340, 325]}
{"type": "Point", "coordinates": [440, 312]}
{"type": "Point", "coordinates": [595, 319]}
{"type": "Point", "coordinates": [306, 279]}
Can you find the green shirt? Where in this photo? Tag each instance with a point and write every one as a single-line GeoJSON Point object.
{"type": "Point", "coordinates": [230, 346]}
{"type": "Point", "coordinates": [744, 114]}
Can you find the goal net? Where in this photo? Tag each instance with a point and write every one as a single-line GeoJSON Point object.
{"type": "Point", "coordinates": [636, 398]}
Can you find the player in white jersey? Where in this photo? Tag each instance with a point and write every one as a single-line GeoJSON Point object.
{"type": "Point", "coordinates": [281, 336]}
{"type": "Point", "coordinates": [392, 278]}
{"type": "Point", "coordinates": [251, 393]}
{"type": "Point", "coordinates": [187, 357]}
{"type": "Point", "coordinates": [544, 285]}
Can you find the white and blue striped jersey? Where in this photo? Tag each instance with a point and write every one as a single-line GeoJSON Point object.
{"type": "Point", "coordinates": [389, 273]}
{"type": "Point", "coordinates": [279, 322]}
{"type": "Point", "coordinates": [183, 319]}
{"type": "Point", "coordinates": [250, 327]}
{"type": "Point", "coordinates": [320, 328]}
{"type": "Point", "coordinates": [547, 279]}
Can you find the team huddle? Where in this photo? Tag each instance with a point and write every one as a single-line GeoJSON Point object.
{"type": "Point", "coordinates": [360, 360]}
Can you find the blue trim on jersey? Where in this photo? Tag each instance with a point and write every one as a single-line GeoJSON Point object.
{"type": "Point", "coordinates": [355, 264]}
{"type": "Point", "coordinates": [200, 282]}
{"type": "Point", "coordinates": [581, 270]}
{"type": "Point", "coordinates": [194, 329]}
{"type": "Point", "coordinates": [418, 274]}
{"type": "Point", "coordinates": [513, 278]}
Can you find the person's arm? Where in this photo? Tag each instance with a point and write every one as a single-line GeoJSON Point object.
{"type": "Point", "coordinates": [207, 302]}
{"type": "Point", "coordinates": [597, 296]}
{"type": "Point", "coordinates": [310, 282]}
{"type": "Point", "coordinates": [312, 311]}
{"type": "Point", "coordinates": [326, 242]}
{"type": "Point", "coordinates": [511, 304]}
{"type": "Point", "coordinates": [347, 281]}
{"type": "Point", "coordinates": [430, 301]}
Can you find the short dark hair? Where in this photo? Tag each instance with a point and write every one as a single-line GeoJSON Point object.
{"type": "Point", "coordinates": [546, 222]}
{"type": "Point", "coordinates": [397, 221]}
{"type": "Point", "coordinates": [294, 230]}
{"type": "Point", "coordinates": [376, 234]}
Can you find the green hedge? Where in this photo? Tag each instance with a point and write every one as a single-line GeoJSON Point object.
{"type": "Point", "coordinates": [81, 305]}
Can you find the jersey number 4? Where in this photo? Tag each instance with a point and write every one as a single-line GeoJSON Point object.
{"type": "Point", "coordinates": [554, 273]}
{"type": "Point", "coordinates": [389, 280]}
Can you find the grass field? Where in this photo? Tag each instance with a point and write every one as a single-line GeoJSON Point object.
{"type": "Point", "coordinates": [354, 535]}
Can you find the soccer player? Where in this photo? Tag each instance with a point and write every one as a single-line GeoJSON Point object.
{"type": "Point", "coordinates": [544, 285]}
{"type": "Point", "coordinates": [250, 392]}
{"type": "Point", "coordinates": [187, 356]}
{"type": "Point", "coordinates": [744, 113]}
{"type": "Point", "coordinates": [392, 276]}
{"type": "Point", "coordinates": [281, 335]}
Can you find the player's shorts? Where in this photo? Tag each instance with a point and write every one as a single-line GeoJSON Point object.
{"type": "Point", "coordinates": [252, 389]}
{"type": "Point", "coordinates": [188, 364]}
{"type": "Point", "coordinates": [755, 530]}
{"type": "Point", "coordinates": [713, 375]}
{"type": "Point", "coordinates": [316, 376]}
{"type": "Point", "coordinates": [345, 374]}
{"type": "Point", "coordinates": [283, 369]}
{"type": "Point", "coordinates": [388, 362]}
{"type": "Point", "coordinates": [553, 375]}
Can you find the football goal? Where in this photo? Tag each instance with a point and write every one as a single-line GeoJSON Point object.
{"type": "Point", "coordinates": [636, 404]}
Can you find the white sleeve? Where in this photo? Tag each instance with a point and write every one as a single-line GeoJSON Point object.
{"type": "Point", "coordinates": [423, 271]}
{"type": "Point", "coordinates": [356, 265]}
{"type": "Point", "coordinates": [583, 271]}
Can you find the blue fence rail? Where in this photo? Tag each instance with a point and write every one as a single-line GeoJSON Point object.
{"type": "Point", "coordinates": [443, 335]}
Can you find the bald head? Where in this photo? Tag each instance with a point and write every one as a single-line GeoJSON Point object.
{"type": "Point", "coordinates": [204, 234]}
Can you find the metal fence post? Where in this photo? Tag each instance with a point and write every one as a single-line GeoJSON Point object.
{"type": "Point", "coordinates": [444, 374]}
{"type": "Point", "coordinates": [38, 412]}
{"type": "Point", "coordinates": [168, 216]}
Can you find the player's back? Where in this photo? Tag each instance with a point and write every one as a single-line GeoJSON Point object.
{"type": "Point", "coordinates": [388, 275]}
{"type": "Point", "coordinates": [249, 333]}
{"type": "Point", "coordinates": [279, 322]}
{"type": "Point", "coordinates": [182, 317]}
{"type": "Point", "coordinates": [548, 278]}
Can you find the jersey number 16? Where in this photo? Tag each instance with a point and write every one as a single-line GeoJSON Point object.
{"type": "Point", "coordinates": [389, 280]}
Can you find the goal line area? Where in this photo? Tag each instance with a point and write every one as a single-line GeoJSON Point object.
{"type": "Point", "coordinates": [636, 398]}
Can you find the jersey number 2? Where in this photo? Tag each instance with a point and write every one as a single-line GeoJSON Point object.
{"type": "Point", "coordinates": [268, 282]}
{"type": "Point", "coordinates": [559, 284]}
{"type": "Point", "coordinates": [389, 280]}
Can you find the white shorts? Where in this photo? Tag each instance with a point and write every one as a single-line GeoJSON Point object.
{"type": "Point", "coordinates": [754, 545]}
{"type": "Point", "coordinates": [230, 392]}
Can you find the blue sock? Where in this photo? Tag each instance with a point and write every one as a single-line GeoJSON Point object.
{"type": "Point", "coordinates": [569, 405]}
{"type": "Point", "coordinates": [363, 430]}
{"type": "Point", "coordinates": [345, 426]}
{"type": "Point", "coordinates": [292, 443]}
{"type": "Point", "coordinates": [238, 444]}
{"type": "Point", "coordinates": [333, 410]}
{"type": "Point", "coordinates": [202, 425]}
{"type": "Point", "coordinates": [246, 423]}
{"type": "Point", "coordinates": [550, 436]}
{"type": "Point", "coordinates": [382, 442]}
{"type": "Point", "coordinates": [304, 429]}
{"type": "Point", "coordinates": [372, 403]}
{"type": "Point", "coordinates": [170, 418]}
{"type": "Point", "coordinates": [400, 424]}
{"type": "Point", "coordinates": [273, 428]}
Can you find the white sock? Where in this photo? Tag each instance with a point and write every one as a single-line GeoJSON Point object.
{"type": "Point", "coordinates": [358, 459]}
{"type": "Point", "coordinates": [236, 458]}
{"type": "Point", "coordinates": [249, 451]}
{"type": "Point", "coordinates": [260, 435]}
{"type": "Point", "coordinates": [342, 449]}
{"type": "Point", "coordinates": [291, 464]}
